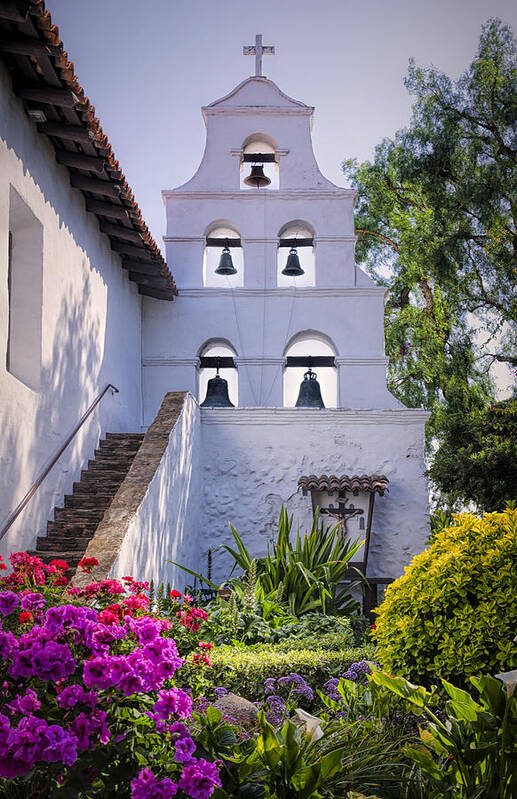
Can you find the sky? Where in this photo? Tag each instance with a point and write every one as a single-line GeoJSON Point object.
{"type": "Point", "coordinates": [149, 65]}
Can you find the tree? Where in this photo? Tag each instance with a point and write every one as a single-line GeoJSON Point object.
{"type": "Point", "coordinates": [477, 458]}
{"type": "Point", "coordinates": [436, 223]}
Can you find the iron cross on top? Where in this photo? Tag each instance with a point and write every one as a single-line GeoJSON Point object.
{"type": "Point", "coordinates": [258, 50]}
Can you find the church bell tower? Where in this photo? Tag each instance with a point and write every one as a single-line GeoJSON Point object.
{"type": "Point", "coordinates": [271, 299]}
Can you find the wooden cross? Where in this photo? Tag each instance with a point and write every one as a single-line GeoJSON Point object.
{"type": "Point", "coordinates": [342, 514]}
{"type": "Point", "coordinates": [258, 50]}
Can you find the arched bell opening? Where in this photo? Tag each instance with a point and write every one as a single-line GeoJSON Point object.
{"type": "Point", "coordinates": [296, 259]}
{"type": "Point", "coordinates": [223, 261]}
{"type": "Point", "coordinates": [217, 358]}
{"type": "Point", "coordinates": [259, 163]}
{"type": "Point", "coordinates": [310, 354]}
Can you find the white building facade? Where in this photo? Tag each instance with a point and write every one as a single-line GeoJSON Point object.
{"type": "Point", "coordinates": [85, 303]}
{"type": "Point", "coordinates": [253, 455]}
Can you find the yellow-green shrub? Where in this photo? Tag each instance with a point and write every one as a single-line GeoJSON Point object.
{"type": "Point", "coordinates": [454, 611]}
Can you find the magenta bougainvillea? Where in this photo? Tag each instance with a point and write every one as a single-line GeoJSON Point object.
{"type": "Point", "coordinates": [83, 676]}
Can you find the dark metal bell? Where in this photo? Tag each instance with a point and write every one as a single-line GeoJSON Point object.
{"type": "Point", "coordinates": [310, 392]}
{"type": "Point", "coordinates": [257, 177]}
{"type": "Point", "coordinates": [217, 394]}
{"type": "Point", "coordinates": [292, 267]}
{"type": "Point", "coordinates": [226, 266]}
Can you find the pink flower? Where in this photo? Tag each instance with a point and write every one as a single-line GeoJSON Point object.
{"type": "Point", "coordinates": [173, 702]}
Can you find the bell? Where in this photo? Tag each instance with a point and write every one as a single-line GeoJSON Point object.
{"type": "Point", "coordinates": [292, 267]}
{"type": "Point", "coordinates": [217, 394]}
{"type": "Point", "coordinates": [226, 266]}
{"type": "Point", "coordinates": [257, 177]}
{"type": "Point", "coordinates": [310, 392]}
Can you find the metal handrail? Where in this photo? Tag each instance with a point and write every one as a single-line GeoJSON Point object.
{"type": "Point", "coordinates": [30, 493]}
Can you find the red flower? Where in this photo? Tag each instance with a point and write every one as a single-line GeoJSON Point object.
{"type": "Point", "coordinates": [87, 564]}
{"type": "Point", "coordinates": [175, 594]}
{"type": "Point", "coordinates": [205, 645]}
{"type": "Point", "coordinates": [61, 565]}
{"type": "Point", "coordinates": [3, 566]}
{"type": "Point", "coordinates": [25, 616]}
{"type": "Point", "coordinates": [107, 617]}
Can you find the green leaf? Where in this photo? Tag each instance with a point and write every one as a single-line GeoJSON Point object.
{"type": "Point", "coordinates": [426, 762]}
{"type": "Point", "coordinates": [398, 685]}
{"type": "Point", "coordinates": [194, 574]}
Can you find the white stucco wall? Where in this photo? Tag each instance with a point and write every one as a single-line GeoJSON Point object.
{"type": "Point", "coordinates": [90, 331]}
{"type": "Point", "coordinates": [166, 525]}
{"type": "Point", "coordinates": [253, 459]}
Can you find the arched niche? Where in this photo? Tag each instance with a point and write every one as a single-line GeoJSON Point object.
{"type": "Point", "coordinates": [216, 237]}
{"type": "Point", "coordinates": [213, 349]}
{"type": "Point", "coordinates": [260, 144]}
{"type": "Point", "coordinates": [305, 344]}
{"type": "Point", "coordinates": [296, 230]}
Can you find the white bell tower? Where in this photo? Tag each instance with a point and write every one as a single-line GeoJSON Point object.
{"type": "Point", "coordinates": [259, 192]}
{"type": "Point", "coordinates": [258, 310]}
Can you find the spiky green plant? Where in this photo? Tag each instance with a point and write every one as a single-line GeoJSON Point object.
{"type": "Point", "coordinates": [308, 572]}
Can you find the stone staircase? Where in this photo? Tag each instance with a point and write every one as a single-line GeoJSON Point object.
{"type": "Point", "coordinates": [75, 524]}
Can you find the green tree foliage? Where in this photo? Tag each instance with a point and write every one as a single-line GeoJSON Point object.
{"type": "Point", "coordinates": [477, 459]}
{"type": "Point", "coordinates": [436, 223]}
{"type": "Point", "coordinates": [453, 613]}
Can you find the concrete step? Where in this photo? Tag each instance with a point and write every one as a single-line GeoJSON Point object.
{"type": "Point", "coordinates": [109, 465]}
{"type": "Point", "coordinates": [78, 515]}
{"type": "Point", "coordinates": [56, 543]}
{"type": "Point", "coordinates": [113, 475]}
{"type": "Point", "coordinates": [124, 437]}
{"type": "Point", "coordinates": [75, 524]}
{"type": "Point", "coordinates": [95, 499]}
{"type": "Point", "coordinates": [65, 528]}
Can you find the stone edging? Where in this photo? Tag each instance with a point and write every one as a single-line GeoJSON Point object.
{"type": "Point", "coordinates": [112, 529]}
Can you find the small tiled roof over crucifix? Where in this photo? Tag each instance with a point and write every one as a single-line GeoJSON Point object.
{"type": "Point", "coordinates": [374, 483]}
{"type": "Point", "coordinates": [44, 80]}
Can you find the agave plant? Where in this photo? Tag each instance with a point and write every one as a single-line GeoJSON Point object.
{"type": "Point", "coordinates": [305, 574]}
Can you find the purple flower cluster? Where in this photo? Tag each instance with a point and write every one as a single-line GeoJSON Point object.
{"type": "Point", "coordinates": [198, 780]}
{"type": "Point", "coordinates": [36, 654]}
{"type": "Point", "coordinates": [297, 686]}
{"type": "Point", "coordinates": [89, 728]}
{"type": "Point", "coordinates": [9, 601]}
{"type": "Point", "coordinates": [173, 702]}
{"type": "Point", "coordinates": [276, 712]}
{"type": "Point", "coordinates": [32, 601]}
{"type": "Point", "coordinates": [33, 741]}
{"type": "Point", "coordinates": [70, 647]}
{"type": "Point", "coordinates": [357, 671]}
{"type": "Point", "coordinates": [147, 786]}
{"type": "Point", "coordinates": [72, 695]}
{"type": "Point", "coordinates": [144, 669]}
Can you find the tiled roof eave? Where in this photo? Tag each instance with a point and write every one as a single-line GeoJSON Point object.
{"type": "Point", "coordinates": [45, 81]}
{"type": "Point", "coordinates": [374, 483]}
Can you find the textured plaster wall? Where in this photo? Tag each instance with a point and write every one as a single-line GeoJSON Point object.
{"type": "Point", "coordinates": [90, 331]}
{"type": "Point", "coordinates": [165, 526]}
{"type": "Point", "coordinates": [253, 458]}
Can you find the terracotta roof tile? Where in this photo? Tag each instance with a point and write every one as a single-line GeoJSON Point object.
{"type": "Point", "coordinates": [367, 482]}
{"type": "Point", "coordinates": [53, 70]}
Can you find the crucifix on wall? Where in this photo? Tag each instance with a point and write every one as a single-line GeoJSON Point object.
{"type": "Point", "coordinates": [341, 513]}
{"type": "Point", "coordinates": [258, 50]}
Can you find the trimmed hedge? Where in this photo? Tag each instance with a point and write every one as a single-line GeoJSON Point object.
{"type": "Point", "coordinates": [454, 612]}
{"type": "Point", "coordinates": [243, 670]}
